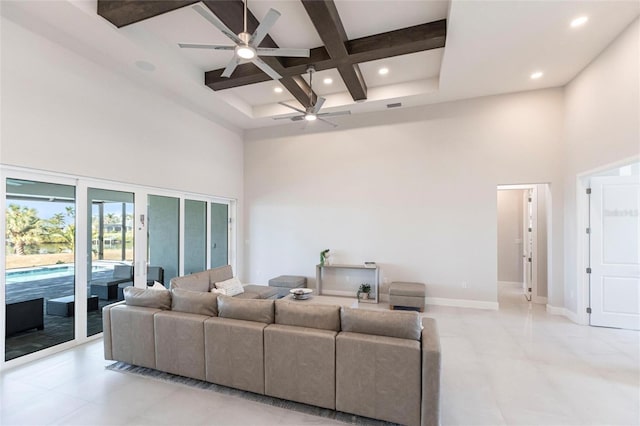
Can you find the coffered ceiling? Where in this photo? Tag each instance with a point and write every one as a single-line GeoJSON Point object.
{"type": "Point", "coordinates": [489, 47]}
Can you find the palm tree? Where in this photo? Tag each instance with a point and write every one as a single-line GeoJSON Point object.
{"type": "Point", "coordinates": [57, 229]}
{"type": "Point", "coordinates": [23, 227]}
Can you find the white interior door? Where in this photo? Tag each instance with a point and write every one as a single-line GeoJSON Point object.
{"type": "Point", "coordinates": [615, 258]}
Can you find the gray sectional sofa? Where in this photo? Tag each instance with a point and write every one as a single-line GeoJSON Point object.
{"type": "Point", "coordinates": [378, 364]}
{"type": "Point", "coordinates": [204, 281]}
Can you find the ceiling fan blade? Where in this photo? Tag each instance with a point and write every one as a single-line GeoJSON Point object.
{"type": "Point", "coordinates": [266, 68]}
{"type": "Point", "coordinates": [206, 46]}
{"type": "Point", "coordinates": [279, 51]}
{"type": "Point", "coordinates": [318, 105]}
{"type": "Point", "coordinates": [231, 66]}
{"type": "Point", "coordinates": [298, 118]}
{"type": "Point", "coordinates": [263, 29]}
{"type": "Point", "coordinates": [293, 108]}
{"type": "Point", "coordinates": [217, 23]}
{"type": "Point", "coordinates": [328, 122]}
{"type": "Point", "coordinates": [284, 118]}
{"type": "Point", "coordinates": [334, 114]}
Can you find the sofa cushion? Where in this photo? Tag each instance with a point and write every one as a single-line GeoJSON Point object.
{"type": "Point", "coordinates": [220, 274]}
{"type": "Point", "coordinates": [259, 310]}
{"type": "Point", "coordinates": [231, 287]}
{"type": "Point", "coordinates": [194, 302]}
{"type": "Point", "coordinates": [404, 325]}
{"type": "Point", "coordinates": [147, 298]}
{"type": "Point", "coordinates": [325, 317]}
{"type": "Point", "coordinates": [194, 282]}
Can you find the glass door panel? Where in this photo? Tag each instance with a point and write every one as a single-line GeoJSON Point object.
{"type": "Point", "coordinates": [110, 244]}
{"type": "Point", "coordinates": [163, 241]}
{"type": "Point", "coordinates": [219, 235]}
{"type": "Point", "coordinates": [195, 236]}
{"type": "Point", "coordinates": [40, 266]}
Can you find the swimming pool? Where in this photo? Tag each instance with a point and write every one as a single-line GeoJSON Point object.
{"type": "Point", "coordinates": [22, 275]}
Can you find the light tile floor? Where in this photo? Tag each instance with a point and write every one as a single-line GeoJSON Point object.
{"type": "Point", "coordinates": [516, 366]}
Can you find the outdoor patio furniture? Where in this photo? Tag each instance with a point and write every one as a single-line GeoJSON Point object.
{"type": "Point", "coordinates": [25, 315]}
{"type": "Point", "coordinates": [154, 273]}
{"type": "Point", "coordinates": [65, 306]}
{"type": "Point", "coordinates": [108, 290]}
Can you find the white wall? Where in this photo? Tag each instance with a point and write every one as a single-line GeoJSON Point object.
{"type": "Point", "coordinates": [602, 126]}
{"type": "Point", "coordinates": [63, 113]}
{"type": "Point", "coordinates": [510, 241]}
{"type": "Point", "coordinates": [412, 189]}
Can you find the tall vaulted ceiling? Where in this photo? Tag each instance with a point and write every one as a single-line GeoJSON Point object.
{"type": "Point", "coordinates": [434, 51]}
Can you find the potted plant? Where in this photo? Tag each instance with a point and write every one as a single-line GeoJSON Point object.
{"type": "Point", "coordinates": [324, 254]}
{"type": "Point", "coordinates": [364, 291]}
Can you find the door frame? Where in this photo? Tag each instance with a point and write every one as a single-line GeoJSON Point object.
{"type": "Point", "coordinates": [583, 180]}
{"type": "Point", "coordinates": [534, 255]}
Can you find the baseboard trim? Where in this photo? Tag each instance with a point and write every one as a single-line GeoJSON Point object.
{"type": "Point", "coordinates": [570, 315]}
{"type": "Point", "coordinates": [539, 299]}
{"type": "Point", "coordinates": [462, 303]}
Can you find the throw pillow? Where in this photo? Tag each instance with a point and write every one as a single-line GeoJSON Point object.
{"type": "Point", "coordinates": [158, 299]}
{"type": "Point", "coordinates": [194, 302]}
{"type": "Point", "coordinates": [219, 291]}
{"type": "Point", "coordinates": [157, 286]}
{"type": "Point", "coordinates": [232, 287]}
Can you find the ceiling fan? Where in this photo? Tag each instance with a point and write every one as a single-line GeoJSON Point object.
{"type": "Point", "coordinates": [246, 45]}
{"type": "Point", "coordinates": [312, 112]}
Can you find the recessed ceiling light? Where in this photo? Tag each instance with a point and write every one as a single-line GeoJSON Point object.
{"type": "Point", "coordinates": [383, 71]}
{"type": "Point", "coordinates": [579, 21]}
{"type": "Point", "coordinates": [536, 75]}
{"type": "Point", "coordinates": [277, 89]}
{"type": "Point", "coordinates": [327, 80]}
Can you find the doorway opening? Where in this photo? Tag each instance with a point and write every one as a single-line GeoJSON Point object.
{"type": "Point", "coordinates": [523, 215]}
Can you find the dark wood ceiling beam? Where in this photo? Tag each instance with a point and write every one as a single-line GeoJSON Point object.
{"type": "Point", "coordinates": [326, 19]}
{"type": "Point", "coordinates": [399, 42]}
{"type": "Point", "coordinates": [125, 12]}
{"type": "Point", "coordinates": [414, 39]}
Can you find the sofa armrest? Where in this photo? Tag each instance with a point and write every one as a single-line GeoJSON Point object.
{"type": "Point", "coordinates": [431, 359]}
{"type": "Point", "coordinates": [106, 330]}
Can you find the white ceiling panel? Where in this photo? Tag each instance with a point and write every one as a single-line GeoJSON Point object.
{"type": "Point", "coordinates": [294, 27]}
{"type": "Point", "coordinates": [416, 66]}
{"type": "Point", "coordinates": [362, 18]}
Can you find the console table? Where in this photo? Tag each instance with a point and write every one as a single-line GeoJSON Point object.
{"type": "Point", "coordinates": [348, 278]}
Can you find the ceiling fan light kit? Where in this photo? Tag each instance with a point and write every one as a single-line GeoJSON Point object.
{"type": "Point", "coordinates": [246, 45]}
{"type": "Point", "coordinates": [312, 113]}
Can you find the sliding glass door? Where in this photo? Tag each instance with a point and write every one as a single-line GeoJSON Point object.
{"type": "Point", "coordinates": [40, 232]}
{"type": "Point", "coordinates": [110, 249]}
{"type": "Point", "coordinates": [62, 230]}
{"type": "Point", "coordinates": [219, 234]}
{"type": "Point", "coordinates": [163, 240]}
{"type": "Point", "coordinates": [195, 236]}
